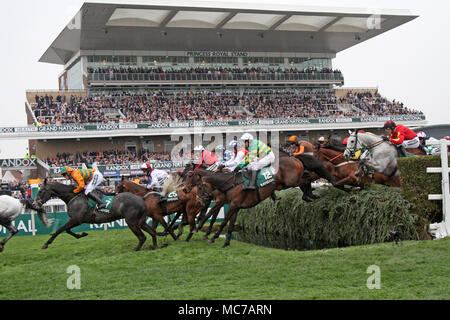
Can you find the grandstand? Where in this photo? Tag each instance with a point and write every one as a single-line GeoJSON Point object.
{"type": "Point", "coordinates": [136, 74]}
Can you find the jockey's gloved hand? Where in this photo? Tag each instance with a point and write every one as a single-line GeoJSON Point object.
{"type": "Point", "coordinates": [385, 138]}
{"type": "Point", "coordinates": [220, 167]}
{"type": "Point", "coordinates": [237, 169]}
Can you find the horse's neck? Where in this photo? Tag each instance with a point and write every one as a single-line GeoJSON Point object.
{"type": "Point", "coordinates": [136, 189]}
{"type": "Point", "coordinates": [223, 180]}
{"type": "Point", "coordinates": [368, 139]}
{"type": "Point", "coordinates": [331, 155]}
{"type": "Point", "coordinates": [65, 193]}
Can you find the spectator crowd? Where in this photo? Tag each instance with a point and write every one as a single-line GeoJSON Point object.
{"type": "Point", "coordinates": [172, 106]}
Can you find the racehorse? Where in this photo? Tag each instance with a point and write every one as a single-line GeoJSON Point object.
{"type": "Point", "coordinates": [345, 171]}
{"type": "Point", "coordinates": [289, 174]}
{"type": "Point", "coordinates": [193, 179]}
{"type": "Point", "coordinates": [187, 203]}
{"type": "Point", "coordinates": [10, 209]}
{"type": "Point", "coordinates": [380, 155]}
{"type": "Point", "coordinates": [126, 205]}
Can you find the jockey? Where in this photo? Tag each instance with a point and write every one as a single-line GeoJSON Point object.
{"type": "Point", "coordinates": [238, 155]}
{"type": "Point", "coordinates": [305, 153]}
{"type": "Point", "coordinates": [156, 177]}
{"type": "Point", "coordinates": [226, 154]}
{"type": "Point", "coordinates": [87, 179]}
{"type": "Point", "coordinates": [303, 147]}
{"type": "Point", "coordinates": [402, 137]}
{"type": "Point", "coordinates": [429, 149]}
{"type": "Point", "coordinates": [206, 159]}
{"type": "Point", "coordinates": [322, 140]}
{"type": "Point", "coordinates": [259, 156]}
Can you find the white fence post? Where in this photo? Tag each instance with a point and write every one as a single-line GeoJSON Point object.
{"type": "Point", "coordinates": [442, 229]}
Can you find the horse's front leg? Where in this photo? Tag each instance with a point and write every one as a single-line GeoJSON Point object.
{"type": "Point", "coordinates": [69, 225]}
{"type": "Point", "coordinates": [230, 213]}
{"type": "Point", "coordinates": [76, 235]}
{"type": "Point", "coordinates": [12, 231]}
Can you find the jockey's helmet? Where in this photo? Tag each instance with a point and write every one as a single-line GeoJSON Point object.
{"type": "Point", "coordinates": [447, 138]}
{"type": "Point", "coordinates": [66, 169]}
{"type": "Point", "coordinates": [233, 143]}
{"type": "Point", "coordinates": [146, 166]}
{"type": "Point", "coordinates": [389, 125]}
{"type": "Point", "coordinates": [247, 136]}
{"type": "Point", "coordinates": [199, 148]}
{"type": "Point", "coordinates": [421, 134]}
{"type": "Point", "coordinates": [293, 139]}
{"type": "Point", "coordinates": [322, 139]}
{"type": "Point", "coordinates": [220, 148]}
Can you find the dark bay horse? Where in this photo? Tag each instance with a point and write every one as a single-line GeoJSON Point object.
{"type": "Point", "coordinates": [193, 179]}
{"type": "Point", "coordinates": [289, 174]}
{"type": "Point", "coordinates": [187, 203]}
{"type": "Point", "coordinates": [345, 171]}
{"type": "Point", "coordinates": [126, 205]}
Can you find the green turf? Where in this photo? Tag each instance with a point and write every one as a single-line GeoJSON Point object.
{"type": "Point", "coordinates": [110, 269]}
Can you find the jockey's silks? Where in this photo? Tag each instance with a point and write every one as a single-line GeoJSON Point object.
{"type": "Point", "coordinates": [256, 149]}
{"type": "Point", "coordinates": [402, 133]}
{"type": "Point", "coordinates": [81, 177]}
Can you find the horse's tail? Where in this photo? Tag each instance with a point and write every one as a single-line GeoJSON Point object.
{"type": "Point", "coordinates": [171, 184]}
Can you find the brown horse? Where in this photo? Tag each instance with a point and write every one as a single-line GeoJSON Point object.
{"type": "Point", "coordinates": [416, 151]}
{"type": "Point", "coordinates": [289, 174]}
{"type": "Point", "coordinates": [156, 210]}
{"type": "Point", "coordinates": [193, 179]}
{"type": "Point", "coordinates": [345, 171]}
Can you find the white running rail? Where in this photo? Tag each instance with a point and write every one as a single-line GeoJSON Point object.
{"type": "Point", "coordinates": [442, 229]}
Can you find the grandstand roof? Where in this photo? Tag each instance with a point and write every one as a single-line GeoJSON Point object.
{"type": "Point", "coordinates": [175, 26]}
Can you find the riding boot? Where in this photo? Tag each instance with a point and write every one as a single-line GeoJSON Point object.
{"type": "Point", "coordinates": [252, 185]}
{"type": "Point", "coordinates": [401, 151]}
{"type": "Point", "coordinates": [100, 204]}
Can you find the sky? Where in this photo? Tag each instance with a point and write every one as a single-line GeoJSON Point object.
{"type": "Point", "coordinates": [409, 63]}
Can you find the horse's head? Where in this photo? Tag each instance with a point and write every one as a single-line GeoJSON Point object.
{"type": "Point", "coordinates": [192, 179]}
{"type": "Point", "coordinates": [205, 190]}
{"type": "Point", "coordinates": [352, 144]}
{"type": "Point", "coordinates": [121, 186]}
{"type": "Point", "coordinates": [44, 194]}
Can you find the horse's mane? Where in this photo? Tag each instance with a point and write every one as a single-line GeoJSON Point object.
{"type": "Point", "coordinates": [171, 184]}
{"type": "Point", "coordinates": [65, 188]}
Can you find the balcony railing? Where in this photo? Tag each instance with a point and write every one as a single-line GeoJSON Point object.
{"type": "Point", "coordinates": [275, 76]}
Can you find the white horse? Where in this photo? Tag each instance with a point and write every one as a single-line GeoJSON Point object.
{"type": "Point", "coordinates": [10, 209]}
{"type": "Point", "coordinates": [379, 155]}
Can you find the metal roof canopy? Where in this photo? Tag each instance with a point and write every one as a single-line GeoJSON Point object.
{"type": "Point", "coordinates": [223, 27]}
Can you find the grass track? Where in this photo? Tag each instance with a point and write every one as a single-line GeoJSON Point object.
{"type": "Point", "coordinates": [198, 270]}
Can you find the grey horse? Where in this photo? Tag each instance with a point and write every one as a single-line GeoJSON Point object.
{"type": "Point", "coordinates": [379, 155]}
{"type": "Point", "coordinates": [125, 205]}
{"type": "Point", "coordinates": [10, 209]}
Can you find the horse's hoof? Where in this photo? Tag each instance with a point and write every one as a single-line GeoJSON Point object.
{"type": "Point", "coordinates": [211, 240]}
{"type": "Point", "coordinates": [205, 237]}
{"type": "Point", "coordinates": [45, 246]}
{"type": "Point", "coordinates": [1, 248]}
{"type": "Point", "coordinates": [165, 245]}
{"type": "Point", "coordinates": [225, 245]}
{"type": "Point", "coordinates": [306, 199]}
